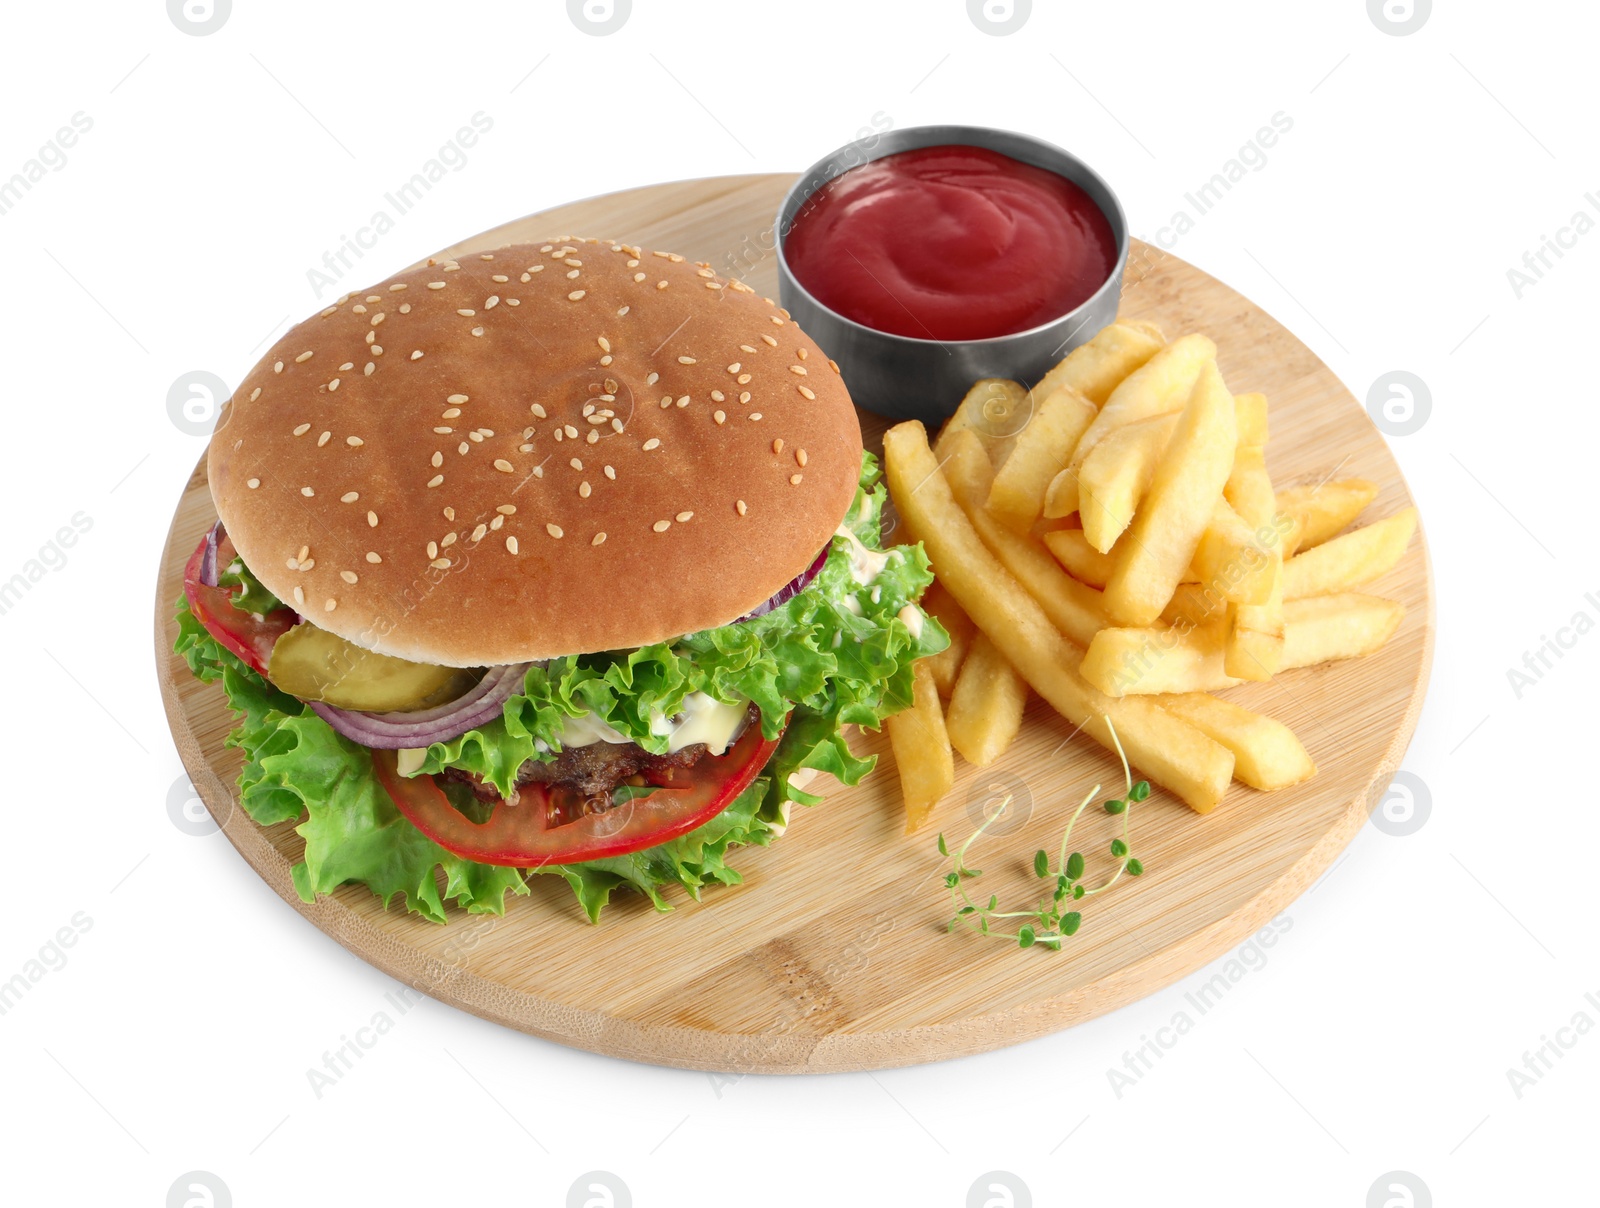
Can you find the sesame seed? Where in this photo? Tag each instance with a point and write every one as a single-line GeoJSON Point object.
{"type": "Point", "coordinates": [349, 576]}
{"type": "Point", "coordinates": [744, 396]}
{"type": "Point", "coordinates": [302, 429]}
{"type": "Point", "coordinates": [684, 401]}
{"type": "Point", "coordinates": [524, 448]}
{"type": "Point", "coordinates": [513, 301]}
{"type": "Point", "coordinates": [378, 318]}
{"type": "Point", "coordinates": [507, 509]}
{"type": "Point", "coordinates": [349, 497]}
{"type": "Point", "coordinates": [799, 369]}
{"type": "Point", "coordinates": [572, 433]}
{"type": "Point", "coordinates": [494, 525]}
{"type": "Point", "coordinates": [304, 551]}
{"type": "Point", "coordinates": [802, 353]}
{"type": "Point", "coordinates": [755, 415]}
{"type": "Point", "coordinates": [734, 368]}
{"type": "Point", "coordinates": [599, 539]}
{"type": "Point", "coordinates": [610, 473]}
{"type": "Point", "coordinates": [593, 437]}
{"type": "Point", "coordinates": [449, 513]}
{"type": "Point", "coordinates": [606, 360]}
{"type": "Point", "coordinates": [333, 385]}
{"type": "Point", "coordinates": [742, 378]}
{"type": "Point", "coordinates": [491, 302]}
{"type": "Point", "coordinates": [719, 416]}
{"type": "Point", "coordinates": [511, 545]}
{"type": "Point", "coordinates": [741, 507]}
{"type": "Point", "coordinates": [255, 394]}
{"type": "Point", "coordinates": [685, 517]}
{"type": "Point", "coordinates": [416, 355]}
{"type": "Point", "coordinates": [712, 285]}
{"type": "Point", "coordinates": [372, 557]}
{"type": "Point", "coordinates": [504, 466]}
{"type": "Point", "coordinates": [466, 313]}
{"type": "Point", "coordinates": [436, 285]}
{"type": "Point", "coordinates": [277, 367]}
{"type": "Point", "coordinates": [776, 320]}
{"type": "Point", "coordinates": [348, 365]}
{"type": "Point", "coordinates": [661, 285]}
{"type": "Point", "coordinates": [638, 276]}
{"type": "Point", "coordinates": [300, 596]}
{"type": "Point", "coordinates": [558, 435]}
{"type": "Point", "coordinates": [554, 530]}
{"type": "Point", "coordinates": [794, 479]}
{"type": "Point", "coordinates": [436, 460]}
{"type": "Point", "coordinates": [605, 344]}
{"type": "Point", "coordinates": [652, 443]}
{"type": "Point", "coordinates": [477, 331]}
{"type": "Point", "coordinates": [449, 540]}
{"type": "Point", "coordinates": [456, 399]}
{"type": "Point", "coordinates": [307, 492]}
{"type": "Point", "coordinates": [622, 310]}
{"type": "Point", "coordinates": [292, 563]}
{"type": "Point", "coordinates": [717, 396]}
{"type": "Point", "coordinates": [367, 372]}
{"type": "Point", "coordinates": [770, 340]}
{"type": "Point", "coordinates": [661, 526]}
{"type": "Point", "coordinates": [372, 519]}
{"type": "Point", "coordinates": [573, 263]}
{"type": "Point", "coordinates": [323, 439]}
{"type": "Point", "coordinates": [705, 272]}
{"type": "Point", "coordinates": [440, 564]}
{"type": "Point", "coordinates": [745, 348]}
{"type": "Point", "coordinates": [355, 442]}
{"type": "Point", "coordinates": [686, 360]}
{"type": "Point", "coordinates": [433, 549]}
{"type": "Point", "coordinates": [253, 483]}
{"type": "Point", "coordinates": [475, 437]}
{"type": "Point", "coordinates": [443, 431]}
{"type": "Point", "coordinates": [807, 393]}
{"type": "Point", "coordinates": [462, 448]}
{"type": "Point", "coordinates": [652, 379]}
{"type": "Point", "coordinates": [303, 357]}
{"type": "Point", "coordinates": [436, 480]}
{"type": "Point", "coordinates": [575, 464]}
{"type": "Point", "coordinates": [535, 268]}
{"type": "Point", "coordinates": [330, 605]}
{"type": "Point", "coordinates": [584, 490]}
{"type": "Point", "coordinates": [575, 295]}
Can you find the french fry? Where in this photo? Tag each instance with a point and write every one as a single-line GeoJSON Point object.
{"type": "Point", "coordinates": [1115, 476]}
{"type": "Point", "coordinates": [986, 706]}
{"type": "Point", "coordinates": [994, 409]}
{"type": "Point", "coordinates": [1266, 753]}
{"type": "Point", "coordinates": [1192, 604]}
{"type": "Point", "coordinates": [1250, 414]}
{"type": "Point", "coordinates": [1083, 562]}
{"type": "Point", "coordinates": [1320, 629]}
{"type": "Point", "coordinates": [1161, 385]}
{"type": "Point", "coordinates": [1255, 631]}
{"type": "Point", "coordinates": [1097, 368]}
{"type": "Point", "coordinates": [1320, 510]}
{"type": "Point", "coordinates": [1038, 451]}
{"type": "Point", "coordinates": [1170, 752]}
{"type": "Point", "coordinates": [946, 665]}
{"type": "Point", "coordinates": [1231, 562]}
{"type": "Point", "coordinates": [1074, 608]}
{"type": "Point", "coordinates": [921, 748]}
{"type": "Point", "coordinates": [1348, 561]}
{"type": "Point", "coordinates": [1125, 662]}
{"type": "Point", "coordinates": [1151, 558]}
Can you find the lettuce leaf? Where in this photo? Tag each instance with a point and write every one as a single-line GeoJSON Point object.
{"type": "Point", "coordinates": [837, 654]}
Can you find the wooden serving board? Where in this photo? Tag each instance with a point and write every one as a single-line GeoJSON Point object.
{"type": "Point", "coordinates": [833, 954]}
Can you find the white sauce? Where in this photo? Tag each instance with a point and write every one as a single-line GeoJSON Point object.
{"type": "Point", "coordinates": [865, 564]}
{"type": "Point", "coordinates": [852, 604]}
{"type": "Point", "coordinates": [912, 616]}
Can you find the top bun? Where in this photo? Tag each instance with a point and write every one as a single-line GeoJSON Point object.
{"type": "Point", "coordinates": [549, 449]}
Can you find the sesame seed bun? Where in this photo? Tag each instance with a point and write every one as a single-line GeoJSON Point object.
{"type": "Point", "coordinates": [414, 469]}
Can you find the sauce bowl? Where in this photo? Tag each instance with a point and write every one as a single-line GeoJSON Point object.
{"type": "Point", "coordinates": [902, 377]}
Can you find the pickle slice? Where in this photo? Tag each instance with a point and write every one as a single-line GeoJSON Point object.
{"type": "Point", "coordinates": [314, 664]}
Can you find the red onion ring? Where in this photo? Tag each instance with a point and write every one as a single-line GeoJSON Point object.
{"type": "Point", "coordinates": [208, 560]}
{"type": "Point", "coordinates": [791, 589]}
{"type": "Point", "coordinates": [396, 731]}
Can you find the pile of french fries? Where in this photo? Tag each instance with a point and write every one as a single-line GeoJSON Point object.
{"type": "Point", "coordinates": [1112, 541]}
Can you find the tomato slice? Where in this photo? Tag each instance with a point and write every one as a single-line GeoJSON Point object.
{"type": "Point", "coordinates": [521, 836]}
{"type": "Point", "coordinates": [238, 632]}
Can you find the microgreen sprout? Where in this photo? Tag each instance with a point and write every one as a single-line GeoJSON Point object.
{"type": "Point", "coordinates": [1056, 917]}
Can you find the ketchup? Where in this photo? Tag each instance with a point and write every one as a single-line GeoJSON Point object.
{"type": "Point", "coordinates": [950, 243]}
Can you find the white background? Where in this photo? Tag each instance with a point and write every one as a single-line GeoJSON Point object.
{"type": "Point", "coordinates": [177, 237]}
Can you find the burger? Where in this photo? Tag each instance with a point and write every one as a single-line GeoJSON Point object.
{"type": "Point", "coordinates": [560, 559]}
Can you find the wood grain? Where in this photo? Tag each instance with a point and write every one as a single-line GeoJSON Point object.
{"type": "Point", "coordinates": [833, 954]}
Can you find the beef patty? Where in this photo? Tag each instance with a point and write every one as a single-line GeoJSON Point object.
{"type": "Point", "coordinates": [580, 780]}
